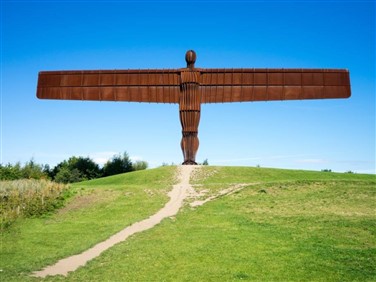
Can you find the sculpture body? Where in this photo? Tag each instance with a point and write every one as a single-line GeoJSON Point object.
{"type": "Point", "coordinates": [190, 86]}
{"type": "Point", "coordinates": [189, 109]}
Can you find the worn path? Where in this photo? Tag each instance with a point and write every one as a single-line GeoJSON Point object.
{"type": "Point", "coordinates": [177, 195]}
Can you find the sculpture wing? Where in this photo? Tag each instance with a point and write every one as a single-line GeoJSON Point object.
{"type": "Point", "coordinates": [239, 85]}
{"type": "Point", "coordinates": [153, 86]}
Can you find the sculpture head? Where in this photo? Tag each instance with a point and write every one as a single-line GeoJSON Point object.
{"type": "Point", "coordinates": [190, 58]}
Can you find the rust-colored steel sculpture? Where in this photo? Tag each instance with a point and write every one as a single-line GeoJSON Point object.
{"type": "Point", "coordinates": [190, 86]}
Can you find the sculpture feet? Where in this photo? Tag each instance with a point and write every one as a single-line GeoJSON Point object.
{"type": "Point", "coordinates": [189, 163]}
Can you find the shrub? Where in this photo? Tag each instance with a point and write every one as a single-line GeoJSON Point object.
{"type": "Point", "coordinates": [139, 165]}
{"type": "Point", "coordinates": [118, 164]}
{"type": "Point", "coordinates": [29, 197]}
{"type": "Point", "coordinates": [30, 170]}
{"type": "Point", "coordinates": [10, 172]}
{"type": "Point", "coordinates": [65, 175]}
{"type": "Point", "coordinates": [76, 169]}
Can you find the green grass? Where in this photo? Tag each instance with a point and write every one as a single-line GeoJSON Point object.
{"type": "Point", "coordinates": [99, 209]}
{"type": "Point", "coordinates": [284, 225]}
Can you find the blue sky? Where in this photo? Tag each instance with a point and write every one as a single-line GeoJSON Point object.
{"type": "Point", "coordinates": [75, 35]}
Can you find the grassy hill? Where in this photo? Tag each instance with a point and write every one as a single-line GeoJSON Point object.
{"type": "Point", "coordinates": [284, 225]}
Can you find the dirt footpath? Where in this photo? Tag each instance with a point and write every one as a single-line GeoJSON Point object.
{"type": "Point", "coordinates": [177, 195]}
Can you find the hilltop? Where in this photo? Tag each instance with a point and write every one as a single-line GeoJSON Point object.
{"type": "Point", "coordinates": [260, 224]}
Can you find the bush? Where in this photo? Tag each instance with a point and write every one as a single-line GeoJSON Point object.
{"type": "Point", "coordinates": [29, 197]}
{"type": "Point", "coordinates": [30, 170]}
{"type": "Point", "coordinates": [140, 165]}
{"type": "Point", "coordinates": [10, 172]}
{"type": "Point", "coordinates": [76, 169]}
{"type": "Point", "coordinates": [65, 175]}
{"type": "Point", "coordinates": [118, 164]}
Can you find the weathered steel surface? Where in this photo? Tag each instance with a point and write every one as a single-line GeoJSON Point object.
{"type": "Point", "coordinates": [240, 85]}
{"type": "Point", "coordinates": [190, 108]}
{"type": "Point", "coordinates": [190, 87]}
{"type": "Point", "coordinates": [158, 86]}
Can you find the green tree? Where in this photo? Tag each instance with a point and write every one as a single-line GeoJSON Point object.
{"type": "Point", "coordinates": [87, 167]}
{"type": "Point", "coordinates": [205, 162]}
{"type": "Point", "coordinates": [76, 169]}
{"type": "Point", "coordinates": [118, 164]}
{"type": "Point", "coordinates": [31, 170]}
{"type": "Point", "coordinates": [10, 172]}
{"type": "Point", "coordinates": [65, 175]}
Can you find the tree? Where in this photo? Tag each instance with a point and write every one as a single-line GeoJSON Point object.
{"type": "Point", "coordinates": [10, 172]}
{"type": "Point", "coordinates": [65, 175]}
{"type": "Point", "coordinates": [87, 167]}
{"type": "Point", "coordinates": [76, 169]}
{"type": "Point", "coordinates": [118, 164]}
{"type": "Point", "coordinates": [205, 162]}
{"type": "Point", "coordinates": [31, 170]}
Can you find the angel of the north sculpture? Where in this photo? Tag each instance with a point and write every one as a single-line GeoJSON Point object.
{"type": "Point", "coordinates": [190, 87]}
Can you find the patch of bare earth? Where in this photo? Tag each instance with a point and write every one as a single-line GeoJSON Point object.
{"type": "Point", "coordinates": [232, 189]}
{"type": "Point", "coordinates": [180, 192]}
{"type": "Point", "coordinates": [83, 201]}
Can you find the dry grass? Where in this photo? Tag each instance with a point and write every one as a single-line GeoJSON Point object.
{"type": "Point", "coordinates": [28, 197]}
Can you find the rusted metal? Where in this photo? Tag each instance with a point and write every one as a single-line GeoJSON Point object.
{"type": "Point", "coordinates": [190, 87]}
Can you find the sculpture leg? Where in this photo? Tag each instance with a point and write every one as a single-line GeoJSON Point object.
{"type": "Point", "coordinates": [189, 146]}
{"type": "Point", "coordinates": [189, 142]}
